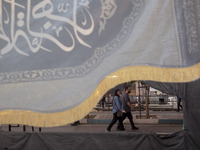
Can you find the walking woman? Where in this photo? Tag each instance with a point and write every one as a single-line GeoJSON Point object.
{"type": "Point", "coordinates": [117, 107]}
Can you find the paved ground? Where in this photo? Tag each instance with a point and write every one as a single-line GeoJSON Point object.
{"type": "Point", "coordinates": [98, 128]}
{"type": "Point", "coordinates": [101, 128]}
{"type": "Point", "coordinates": [158, 114]}
{"type": "Point", "coordinates": [156, 117]}
{"type": "Point", "coordinates": [165, 122]}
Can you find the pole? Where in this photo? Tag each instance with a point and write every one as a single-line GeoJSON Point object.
{"type": "Point", "coordinates": [147, 102]}
{"type": "Point", "coordinates": [139, 98]}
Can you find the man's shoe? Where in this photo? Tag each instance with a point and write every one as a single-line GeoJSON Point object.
{"type": "Point", "coordinates": [135, 128]}
{"type": "Point", "coordinates": [107, 130]}
{"type": "Point", "coordinates": [120, 129]}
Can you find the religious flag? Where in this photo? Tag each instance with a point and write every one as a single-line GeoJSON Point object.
{"type": "Point", "coordinates": [59, 57]}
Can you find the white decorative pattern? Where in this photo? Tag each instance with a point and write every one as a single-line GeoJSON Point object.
{"type": "Point", "coordinates": [77, 71]}
{"type": "Point", "coordinates": [108, 10]}
{"type": "Point", "coordinates": [188, 20]}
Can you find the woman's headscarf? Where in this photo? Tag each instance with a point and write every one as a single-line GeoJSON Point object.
{"type": "Point", "coordinates": [116, 92]}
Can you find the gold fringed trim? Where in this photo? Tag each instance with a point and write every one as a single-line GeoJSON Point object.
{"type": "Point", "coordinates": [176, 75]}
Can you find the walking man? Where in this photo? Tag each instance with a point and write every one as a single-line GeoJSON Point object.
{"type": "Point", "coordinates": [127, 107]}
{"type": "Point", "coordinates": [179, 104]}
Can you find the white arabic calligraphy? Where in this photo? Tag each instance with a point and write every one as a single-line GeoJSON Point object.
{"type": "Point", "coordinates": [44, 9]}
{"type": "Point", "coordinates": [64, 7]}
{"type": "Point", "coordinates": [108, 10]}
{"type": "Point", "coordinates": [6, 21]}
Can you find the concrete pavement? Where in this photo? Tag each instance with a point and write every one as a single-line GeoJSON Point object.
{"type": "Point", "coordinates": [99, 128]}
{"type": "Point", "coordinates": [160, 122]}
{"type": "Point", "coordinates": [156, 117]}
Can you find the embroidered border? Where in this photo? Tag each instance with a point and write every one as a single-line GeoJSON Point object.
{"type": "Point", "coordinates": [188, 23]}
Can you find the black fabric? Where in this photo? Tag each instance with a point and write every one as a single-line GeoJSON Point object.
{"type": "Point", "coordinates": [190, 94]}
{"type": "Point", "coordinates": [91, 141]}
{"type": "Point", "coordinates": [183, 140]}
{"type": "Point", "coordinates": [176, 89]}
